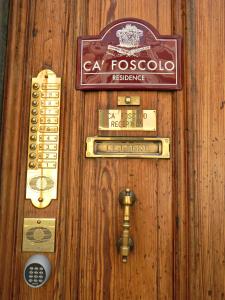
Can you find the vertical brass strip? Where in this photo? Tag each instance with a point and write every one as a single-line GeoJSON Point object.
{"type": "Point", "coordinates": [43, 144]}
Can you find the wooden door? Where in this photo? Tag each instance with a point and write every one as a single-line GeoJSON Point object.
{"type": "Point", "coordinates": [86, 264]}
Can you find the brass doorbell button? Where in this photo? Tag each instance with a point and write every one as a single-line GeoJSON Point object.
{"type": "Point", "coordinates": [32, 155]}
{"type": "Point", "coordinates": [33, 146]}
{"type": "Point", "coordinates": [34, 112]}
{"type": "Point", "coordinates": [32, 165]}
{"type": "Point", "coordinates": [35, 94]}
{"type": "Point", "coordinates": [34, 120]}
{"type": "Point", "coordinates": [36, 86]}
{"type": "Point", "coordinates": [34, 103]}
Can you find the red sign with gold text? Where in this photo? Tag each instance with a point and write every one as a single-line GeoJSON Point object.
{"type": "Point", "coordinates": [129, 54]}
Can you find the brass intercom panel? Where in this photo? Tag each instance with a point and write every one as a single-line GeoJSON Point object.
{"type": "Point", "coordinates": [39, 235]}
{"type": "Point", "coordinates": [43, 145]}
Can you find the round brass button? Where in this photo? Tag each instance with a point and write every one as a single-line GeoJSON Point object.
{"type": "Point", "coordinates": [34, 111]}
{"type": "Point", "coordinates": [32, 155]}
{"type": "Point", "coordinates": [34, 103]}
{"type": "Point", "coordinates": [34, 129]}
{"type": "Point", "coordinates": [32, 165]}
{"type": "Point", "coordinates": [36, 86]}
{"type": "Point", "coordinates": [33, 147]}
{"type": "Point", "coordinates": [33, 137]}
{"type": "Point", "coordinates": [34, 120]}
{"type": "Point", "coordinates": [35, 94]}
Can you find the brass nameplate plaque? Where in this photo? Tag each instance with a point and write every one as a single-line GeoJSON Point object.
{"type": "Point", "coordinates": [133, 147]}
{"type": "Point", "coordinates": [38, 235]}
{"type": "Point", "coordinates": [43, 145]}
{"type": "Point", "coordinates": [127, 119]}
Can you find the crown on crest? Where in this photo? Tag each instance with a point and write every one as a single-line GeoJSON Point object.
{"type": "Point", "coordinates": [129, 36]}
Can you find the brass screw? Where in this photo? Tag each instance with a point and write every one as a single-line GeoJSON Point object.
{"type": "Point", "coordinates": [35, 94]}
{"type": "Point", "coordinates": [33, 147]}
{"type": "Point", "coordinates": [40, 199]}
{"type": "Point", "coordinates": [33, 138]}
{"type": "Point", "coordinates": [32, 165]}
{"type": "Point", "coordinates": [39, 221]}
{"type": "Point", "coordinates": [34, 120]}
{"type": "Point", "coordinates": [34, 103]}
{"type": "Point", "coordinates": [127, 100]}
{"type": "Point", "coordinates": [32, 155]}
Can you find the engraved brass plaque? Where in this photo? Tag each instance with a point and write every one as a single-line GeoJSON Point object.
{"type": "Point", "coordinates": [128, 100]}
{"type": "Point", "coordinates": [127, 119]}
{"type": "Point", "coordinates": [131, 147]}
{"type": "Point", "coordinates": [38, 235]}
{"type": "Point", "coordinates": [43, 145]}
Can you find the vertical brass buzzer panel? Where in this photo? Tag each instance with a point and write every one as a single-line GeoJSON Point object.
{"type": "Point", "coordinates": [43, 144]}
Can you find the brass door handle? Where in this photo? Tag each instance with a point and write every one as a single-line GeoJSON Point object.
{"type": "Point", "coordinates": [125, 243]}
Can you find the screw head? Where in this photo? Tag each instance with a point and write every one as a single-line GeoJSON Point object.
{"type": "Point", "coordinates": [128, 100]}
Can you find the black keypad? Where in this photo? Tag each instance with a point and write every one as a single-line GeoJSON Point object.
{"type": "Point", "coordinates": [35, 274]}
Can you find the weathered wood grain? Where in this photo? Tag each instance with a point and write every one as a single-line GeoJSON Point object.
{"type": "Point", "coordinates": [180, 153]}
{"type": "Point", "coordinates": [206, 144]}
{"type": "Point", "coordinates": [4, 11]}
{"type": "Point", "coordinates": [86, 264]}
{"type": "Point", "coordinates": [149, 272]}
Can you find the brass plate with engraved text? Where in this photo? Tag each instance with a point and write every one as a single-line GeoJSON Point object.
{"type": "Point", "coordinates": [130, 147]}
{"type": "Point", "coordinates": [127, 119]}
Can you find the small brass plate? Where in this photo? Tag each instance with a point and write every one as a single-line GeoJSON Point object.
{"type": "Point", "coordinates": [128, 100]}
{"type": "Point", "coordinates": [43, 144]}
{"type": "Point", "coordinates": [38, 235]}
{"type": "Point", "coordinates": [127, 119]}
{"type": "Point", "coordinates": [131, 147]}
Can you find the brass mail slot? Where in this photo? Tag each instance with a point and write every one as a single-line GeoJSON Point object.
{"type": "Point", "coordinates": [133, 147]}
{"type": "Point", "coordinates": [127, 119]}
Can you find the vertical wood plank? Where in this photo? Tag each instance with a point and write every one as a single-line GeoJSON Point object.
{"type": "Point", "coordinates": [206, 41]}
{"type": "Point", "coordinates": [102, 275]}
{"type": "Point", "coordinates": [180, 152]}
{"type": "Point", "coordinates": [85, 264]}
{"type": "Point", "coordinates": [10, 147]}
{"type": "Point", "coordinates": [4, 12]}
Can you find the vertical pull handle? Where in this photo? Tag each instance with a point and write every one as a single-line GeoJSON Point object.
{"type": "Point", "coordinates": [125, 243]}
